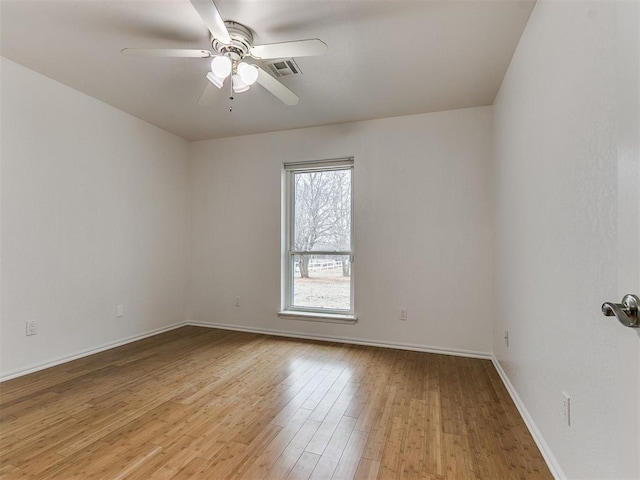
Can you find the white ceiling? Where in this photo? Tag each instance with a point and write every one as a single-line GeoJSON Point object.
{"type": "Point", "coordinates": [385, 58]}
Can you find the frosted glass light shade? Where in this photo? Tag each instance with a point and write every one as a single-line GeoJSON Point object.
{"type": "Point", "coordinates": [221, 66]}
{"type": "Point", "coordinates": [238, 84]}
{"type": "Point", "coordinates": [216, 80]}
{"type": "Point", "coordinates": [248, 73]}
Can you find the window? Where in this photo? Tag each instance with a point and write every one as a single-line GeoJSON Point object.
{"type": "Point", "coordinates": [318, 240]}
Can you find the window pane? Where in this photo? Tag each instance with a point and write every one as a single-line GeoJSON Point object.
{"type": "Point", "coordinates": [322, 281]}
{"type": "Point", "coordinates": [322, 210]}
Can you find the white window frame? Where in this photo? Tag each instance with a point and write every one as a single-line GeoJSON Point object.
{"type": "Point", "coordinates": [288, 310]}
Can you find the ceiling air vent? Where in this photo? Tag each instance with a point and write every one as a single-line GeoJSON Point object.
{"type": "Point", "coordinates": [284, 68]}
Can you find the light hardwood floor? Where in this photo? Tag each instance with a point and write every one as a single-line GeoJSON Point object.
{"type": "Point", "coordinates": [204, 403]}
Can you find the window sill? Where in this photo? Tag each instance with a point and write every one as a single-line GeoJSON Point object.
{"type": "Point", "coordinates": [319, 317]}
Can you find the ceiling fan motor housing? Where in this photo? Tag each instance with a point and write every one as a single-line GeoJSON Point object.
{"type": "Point", "coordinates": [241, 42]}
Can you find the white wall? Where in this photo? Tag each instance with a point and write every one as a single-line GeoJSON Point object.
{"type": "Point", "coordinates": [94, 214]}
{"type": "Point", "coordinates": [556, 236]}
{"type": "Point", "coordinates": [422, 228]}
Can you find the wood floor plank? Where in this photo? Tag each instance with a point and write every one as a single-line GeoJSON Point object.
{"type": "Point", "coordinates": [335, 392]}
{"type": "Point", "coordinates": [351, 456]}
{"type": "Point", "coordinates": [304, 466]}
{"type": "Point", "coordinates": [207, 403]}
{"type": "Point", "coordinates": [273, 451]}
{"type": "Point", "coordinates": [329, 459]}
{"type": "Point", "coordinates": [309, 384]}
{"type": "Point", "coordinates": [290, 456]}
{"type": "Point", "coordinates": [367, 469]}
{"type": "Point", "coordinates": [154, 467]}
{"type": "Point", "coordinates": [456, 458]}
{"type": "Point", "coordinates": [414, 446]}
{"type": "Point", "coordinates": [392, 454]}
{"type": "Point", "coordinates": [226, 459]}
{"type": "Point", "coordinates": [378, 437]}
{"type": "Point", "coordinates": [331, 421]}
{"type": "Point", "coordinates": [433, 448]}
{"type": "Point", "coordinates": [254, 449]}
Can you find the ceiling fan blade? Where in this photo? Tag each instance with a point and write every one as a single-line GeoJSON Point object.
{"type": "Point", "coordinates": [212, 19]}
{"type": "Point", "coordinates": [299, 48]}
{"type": "Point", "coordinates": [208, 94]}
{"type": "Point", "coordinates": [277, 88]}
{"type": "Point", "coordinates": [165, 52]}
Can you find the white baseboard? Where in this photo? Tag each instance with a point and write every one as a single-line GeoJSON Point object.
{"type": "Point", "coordinates": [353, 341]}
{"type": "Point", "coordinates": [84, 353]}
{"type": "Point", "coordinates": [548, 456]}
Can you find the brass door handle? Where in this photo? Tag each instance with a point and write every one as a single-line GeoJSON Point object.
{"type": "Point", "coordinates": [626, 312]}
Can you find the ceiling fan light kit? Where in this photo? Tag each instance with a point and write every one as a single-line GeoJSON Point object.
{"type": "Point", "coordinates": [221, 66]}
{"type": "Point", "coordinates": [232, 42]}
{"type": "Point", "coordinates": [215, 80]}
{"type": "Point", "coordinates": [238, 84]}
{"type": "Point", "coordinates": [244, 74]}
{"type": "Point", "coordinates": [248, 73]}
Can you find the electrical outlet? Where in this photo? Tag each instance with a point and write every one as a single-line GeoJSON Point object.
{"type": "Point", "coordinates": [403, 314]}
{"type": "Point", "coordinates": [32, 328]}
{"type": "Point", "coordinates": [237, 301]}
{"type": "Point", "coordinates": [506, 338]}
{"type": "Point", "coordinates": [120, 311]}
{"type": "Point", "coordinates": [566, 409]}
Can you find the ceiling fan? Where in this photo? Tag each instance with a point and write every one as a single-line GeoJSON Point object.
{"type": "Point", "coordinates": [232, 43]}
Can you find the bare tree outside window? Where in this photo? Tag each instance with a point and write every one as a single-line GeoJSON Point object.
{"type": "Point", "coordinates": [322, 215]}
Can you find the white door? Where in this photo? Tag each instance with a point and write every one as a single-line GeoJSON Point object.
{"type": "Point", "coordinates": [628, 127]}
